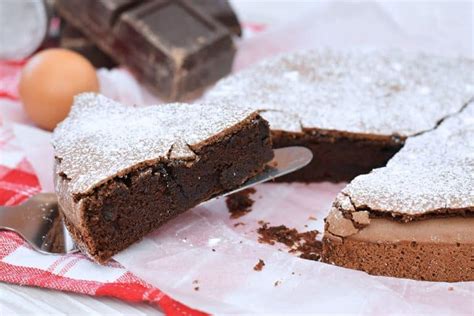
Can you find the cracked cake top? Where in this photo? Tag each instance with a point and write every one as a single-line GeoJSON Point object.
{"type": "Point", "coordinates": [101, 138]}
{"type": "Point", "coordinates": [383, 93]}
{"type": "Point", "coordinates": [432, 173]}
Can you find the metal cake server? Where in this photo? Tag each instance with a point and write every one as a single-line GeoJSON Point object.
{"type": "Point", "coordinates": [38, 220]}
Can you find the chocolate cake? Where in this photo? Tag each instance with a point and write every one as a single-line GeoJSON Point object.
{"type": "Point", "coordinates": [353, 110]}
{"type": "Point", "coordinates": [123, 171]}
{"type": "Point", "coordinates": [413, 218]}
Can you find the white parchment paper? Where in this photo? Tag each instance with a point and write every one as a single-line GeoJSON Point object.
{"type": "Point", "coordinates": [181, 252]}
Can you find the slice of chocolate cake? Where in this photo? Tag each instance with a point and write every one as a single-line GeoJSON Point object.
{"type": "Point", "coordinates": [353, 110]}
{"type": "Point", "coordinates": [122, 171]}
{"type": "Point", "coordinates": [413, 218]}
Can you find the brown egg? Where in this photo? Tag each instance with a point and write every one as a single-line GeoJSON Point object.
{"type": "Point", "coordinates": [49, 82]}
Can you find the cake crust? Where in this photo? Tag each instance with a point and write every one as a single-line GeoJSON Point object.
{"type": "Point", "coordinates": [435, 249]}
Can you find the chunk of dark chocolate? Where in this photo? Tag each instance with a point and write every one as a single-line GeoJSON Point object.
{"type": "Point", "coordinates": [222, 11]}
{"type": "Point", "coordinates": [173, 47]}
{"type": "Point", "coordinates": [73, 39]}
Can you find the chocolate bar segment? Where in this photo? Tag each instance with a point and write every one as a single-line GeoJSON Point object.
{"type": "Point", "coordinates": [73, 39]}
{"type": "Point", "coordinates": [160, 15]}
{"type": "Point", "coordinates": [171, 46]}
{"type": "Point", "coordinates": [105, 12]}
{"type": "Point", "coordinates": [222, 11]}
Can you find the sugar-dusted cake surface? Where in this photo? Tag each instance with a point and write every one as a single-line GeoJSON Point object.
{"type": "Point", "coordinates": [433, 173]}
{"type": "Point", "coordinates": [102, 137]}
{"type": "Point", "coordinates": [354, 110]}
{"type": "Point", "coordinates": [383, 93]}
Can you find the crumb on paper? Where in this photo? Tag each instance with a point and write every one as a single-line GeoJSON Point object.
{"type": "Point", "coordinates": [450, 288]}
{"type": "Point", "coordinates": [277, 283]}
{"type": "Point", "coordinates": [239, 224]}
{"type": "Point", "coordinates": [312, 218]}
{"type": "Point", "coordinates": [240, 203]}
{"type": "Point", "coordinates": [259, 266]}
{"type": "Point", "coordinates": [214, 250]}
{"type": "Point", "coordinates": [196, 288]}
{"type": "Point", "coordinates": [195, 281]}
{"type": "Point", "coordinates": [304, 244]}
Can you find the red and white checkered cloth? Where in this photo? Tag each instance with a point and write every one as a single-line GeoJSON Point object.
{"type": "Point", "coordinates": [19, 264]}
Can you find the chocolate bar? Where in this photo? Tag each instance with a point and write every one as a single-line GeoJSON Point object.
{"type": "Point", "coordinates": [172, 46]}
{"type": "Point", "coordinates": [222, 11]}
{"type": "Point", "coordinates": [73, 39]}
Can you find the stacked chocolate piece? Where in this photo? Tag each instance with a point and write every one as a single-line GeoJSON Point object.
{"type": "Point", "coordinates": [176, 48]}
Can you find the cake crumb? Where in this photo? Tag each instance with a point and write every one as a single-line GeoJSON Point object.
{"type": "Point", "coordinates": [259, 266]}
{"type": "Point", "coordinates": [239, 224]}
{"type": "Point", "coordinates": [277, 283]}
{"type": "Point", "coordinates": [195, 281]}
{"type": "Point", "coordinates": [214, 250]}
{"type": "Point", "coordinates": [304, 244]}
{"type": "Point", "coordinates": [273, 164]}
{"type": "Point", "coordinates": [196, 288]}
{"type": "Point", "coordinates": [312, 218]}
{"type": "Point", "coordinates": [240, 203]}
{"type": "Point", "coordinates": [450, 288]}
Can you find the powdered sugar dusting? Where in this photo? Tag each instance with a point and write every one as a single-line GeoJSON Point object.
{"type": "Point", "coordinates": [433, 171]}
{"type": "Point", "coordinates": [283, 121]}
{"type": "Point", "coordinates": [101, 138]}
{"type": "Point", "coordinates": [382, 93]}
